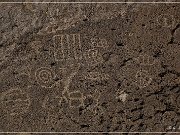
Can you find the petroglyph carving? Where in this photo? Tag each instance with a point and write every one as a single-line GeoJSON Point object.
{"type": "Point", "coordinates": [45, 76]}
{"type": "Point", "coordinates": [67, 81]}
{"type": "Point", "coordinates": [15, 101]}
{"type": "Point", "coordinates": [67, 47]}
{"type": "Point", "coordinates": [93, 57]}
{"type": "Point", "coordinates": [76, 99]}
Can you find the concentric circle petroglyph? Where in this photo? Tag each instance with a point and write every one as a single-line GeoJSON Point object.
{"type": "Point", "coordinates": [45, 76]}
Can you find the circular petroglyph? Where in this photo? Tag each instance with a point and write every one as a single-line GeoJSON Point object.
{"type": "Point", "coordinates": [165, 20]}
{"type": "Point", "coordinates": [143, 79]}
{"type": "Point", "coordinates": [15, 101]}
{"type": "Point", "coordinates": [45, 76]}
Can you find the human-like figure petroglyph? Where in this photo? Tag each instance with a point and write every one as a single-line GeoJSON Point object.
{"type": "Point", "coordinates": [44, 76]}
{"type": "Point", "coordinates": [15, 101]}
{"type": "Point", "coordinates": [166, 20]}
{"type": "Point", "coordinates": [67, 47]}
{"type": "Point", "coordinates": [143, 79]}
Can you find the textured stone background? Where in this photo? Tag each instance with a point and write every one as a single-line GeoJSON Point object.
{"type": "Point", "coordinates": [89, 67]}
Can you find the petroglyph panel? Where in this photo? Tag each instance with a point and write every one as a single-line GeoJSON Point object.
{"type": "Point", "coordinates": [89, 67]}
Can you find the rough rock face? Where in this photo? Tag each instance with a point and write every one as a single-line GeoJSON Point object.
{"type": "Point", "coordinates": [89, 67]}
